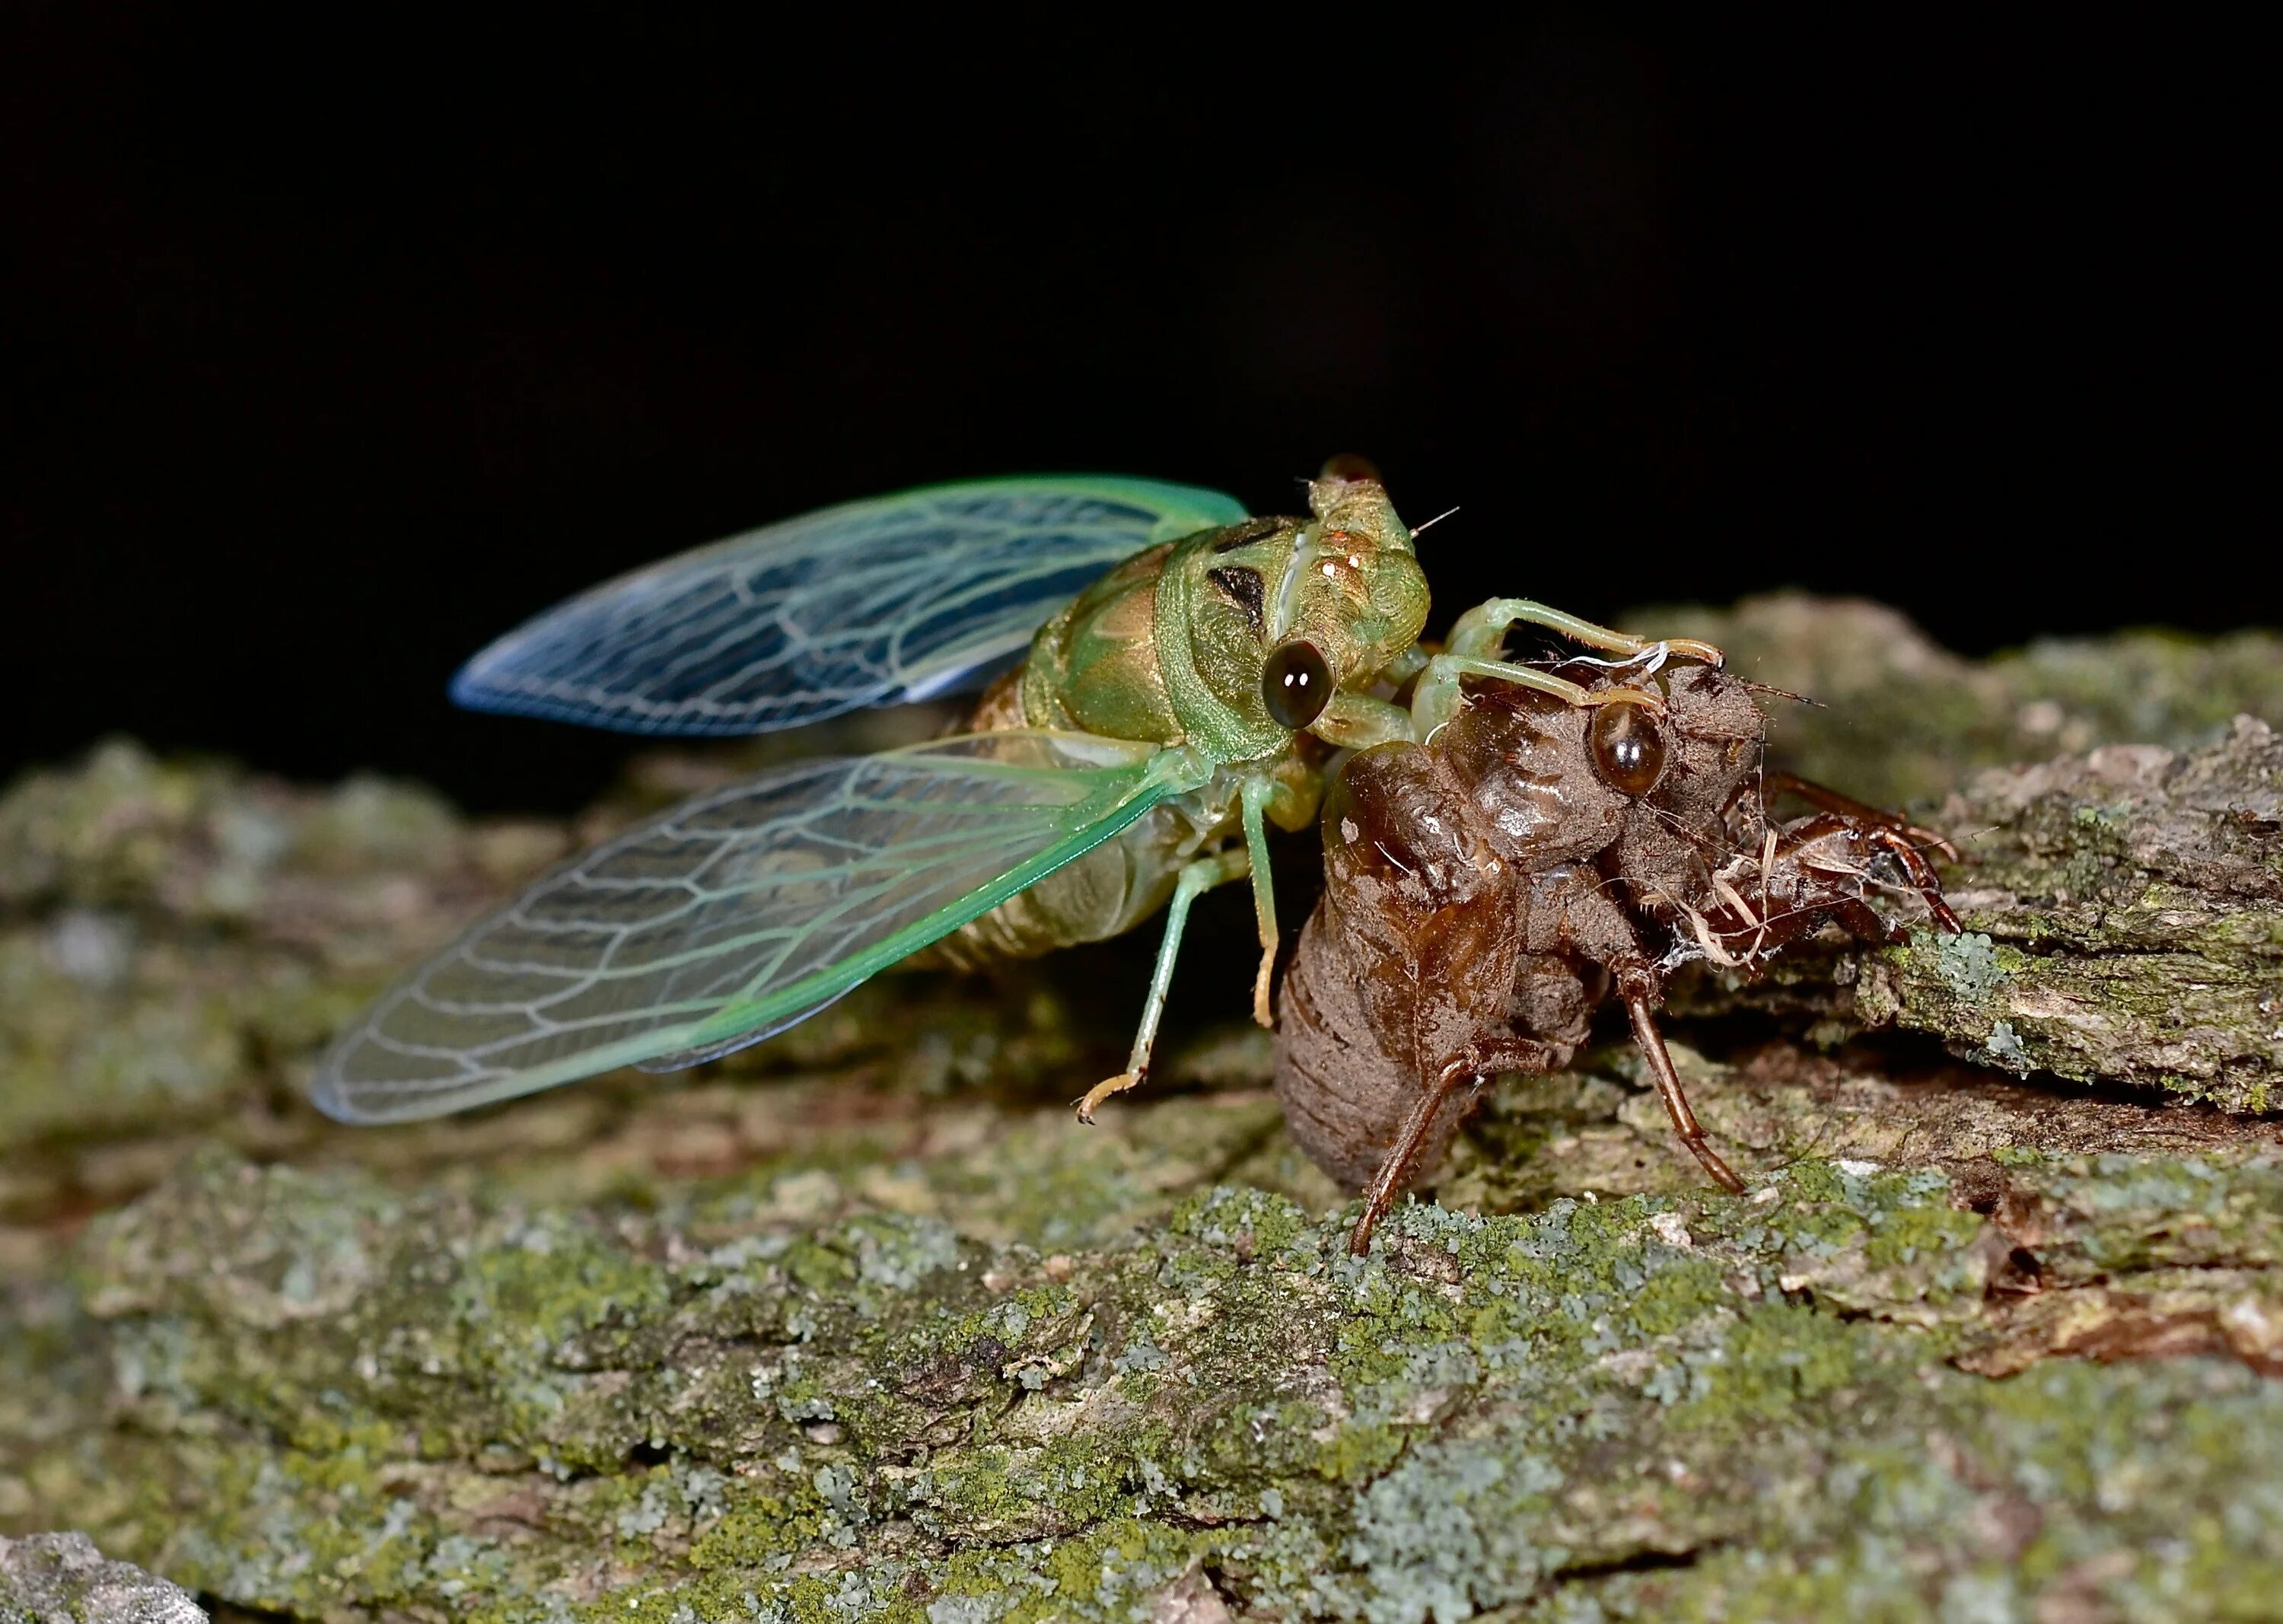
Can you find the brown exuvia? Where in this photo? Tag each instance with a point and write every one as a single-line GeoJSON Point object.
{"type": "Point", "coordinates": [1484, 892]}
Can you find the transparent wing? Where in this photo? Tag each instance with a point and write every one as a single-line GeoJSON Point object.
{"type": "Point", "coordinates": [873, 603]}
{"type": "Point", "coordinates": [737, 914]}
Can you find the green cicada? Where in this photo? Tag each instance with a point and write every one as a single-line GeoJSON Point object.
{"type": "Point", "coordinates": [1188, 670]}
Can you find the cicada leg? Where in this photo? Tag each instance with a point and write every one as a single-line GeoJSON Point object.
{"type": "Point", "coordinates": [1254, 799]}
{"type": "Point", "coordinates": [1196, 879]}
{"type": "Point", "coordinates": [1828, 800]}
{"type": "Point", "coordinates": [1490, 1055]}
{"type": "Point", "coordinates": [1406, 665]}
{"type": "Point", "coordinates": [1483, 628]}
{"type": "Point", "coordinates": [1435, 700]}
{"type": "Point", "coordinates": [1887, 832]}
{"type": "Point", "coordinates": [1358, 721]}
{"type": "Point", "coordinates": [1481, 631]}
{"type": "Point", "coordinates": [1923, 877]}
{"type": "Point", "coordinates": [1388, 1181]}
{"type": "Point", "coordinates": [1668, 1089]}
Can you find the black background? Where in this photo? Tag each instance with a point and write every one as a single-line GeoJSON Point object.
{"type": "Point", "coordinates": [332, 348]}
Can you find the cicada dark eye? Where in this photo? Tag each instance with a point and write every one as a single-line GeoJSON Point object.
{"type": "Point", "coordinates": [1628, 749]}
{"type": "Point", "coordinates": [1295, 685]}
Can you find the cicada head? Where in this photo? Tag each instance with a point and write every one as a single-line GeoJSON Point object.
{"type": "Point", "coordinates": [1354, 590]}
{"type": "Point", "coordinates": [1279, 615]}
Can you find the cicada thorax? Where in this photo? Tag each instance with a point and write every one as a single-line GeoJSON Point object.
{"type": "Point", "coordinates": [1234, 640]}
{"type": "Point", "coordinates": [1229, 642]}
{"type": "Point", "coordinates": [1172, 646]}
{"type": "Point", "coordinates": [1094, 668]}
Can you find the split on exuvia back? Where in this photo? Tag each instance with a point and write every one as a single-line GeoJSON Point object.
{"type": "Point", "coordinates": [1185, 672]}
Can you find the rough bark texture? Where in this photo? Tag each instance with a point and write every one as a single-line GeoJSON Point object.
{"type": "Point", "coordinates": [63, 1579]}
{"type": "Point", "coordinates": [864, 1326]}
{"type": "Point", "coordinates": [2124, 915]}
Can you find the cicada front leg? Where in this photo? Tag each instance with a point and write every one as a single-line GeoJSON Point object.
{"type": "Point", "coordinates": [1255, 800]}
{"type": "Point", "coordinates": [1438, 696]}
{"type": "Point", "coordinates": [1828, 800]}
{"type": "Point", "coordinates": [1453, 1086]}
{"type": "Point", "coordinates": [1481, 632]}
{"type": "Point", "coordinates": [1483, 628]}
{"type": "Point", "coordinates": [1639, 992]}
{"type": "Point", "coordinates": [1822, 864]}
{"type": "Point", "coordinates": [1395, 1172]}
{"type": "Point", "coordinates": [1288, 794]}
{"type": "Point", "coordinates": [1358, 721]}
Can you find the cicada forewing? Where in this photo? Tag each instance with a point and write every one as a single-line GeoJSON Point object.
{"type": "Point", "coordinates": [873, 603]}
{"type": "Point", "coordinates": [737, 914]}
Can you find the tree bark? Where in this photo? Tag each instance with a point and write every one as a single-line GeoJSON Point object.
{"type": "Point", "coordinates": [862, 1324]}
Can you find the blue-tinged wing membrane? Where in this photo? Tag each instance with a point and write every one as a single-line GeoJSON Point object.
{"type": "Point", "coordinates": [737, 914]}
{"type": "Point", "coordinates": [873, 603]}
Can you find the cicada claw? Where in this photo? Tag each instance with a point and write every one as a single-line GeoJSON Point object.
{"type": "Point", "coordinates": [1693, 648]}
{"type": "Point", "coordinates": [1094, 1096]}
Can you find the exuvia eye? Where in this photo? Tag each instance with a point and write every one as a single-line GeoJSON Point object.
{"type": "Point", "coordinates": [1628, 749]}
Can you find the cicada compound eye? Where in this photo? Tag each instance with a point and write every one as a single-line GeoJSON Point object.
{"type": "Point", "coordinates": [1296, 684]}
{"type": "Point", "coordinates": [1628, 749]}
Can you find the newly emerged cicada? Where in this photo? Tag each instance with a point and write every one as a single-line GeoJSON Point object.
{"type": "Point", "coordinates": [1188, 669]}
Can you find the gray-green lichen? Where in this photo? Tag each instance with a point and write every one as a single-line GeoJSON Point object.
{"type": "Point", "coordinates": [864, 1326]}
{"type": "Point", "coordinates": [2127, 906]}
{"type": "Point", "coordinates": [63, 1579]}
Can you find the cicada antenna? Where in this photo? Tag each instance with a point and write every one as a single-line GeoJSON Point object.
{"type": "Point", "coordinates": [1781, 693]}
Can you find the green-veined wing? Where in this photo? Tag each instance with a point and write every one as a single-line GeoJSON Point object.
{"type": "Point", "coordinates": [872, 603]}
{"type": "Point", "coordinates": [738, 913]}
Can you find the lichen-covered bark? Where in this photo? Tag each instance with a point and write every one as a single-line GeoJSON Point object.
{"type": "Point", "coordinates": [865, 1325]}
{"type": "Point", "coordinates": [771, 1396]}
{"type": "Point", "coordinates": [2128, 908]}
{"type": "Point", "coordinates": [63, 1579]}
{"type": "Point", "coordinates": [2124, 914]}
